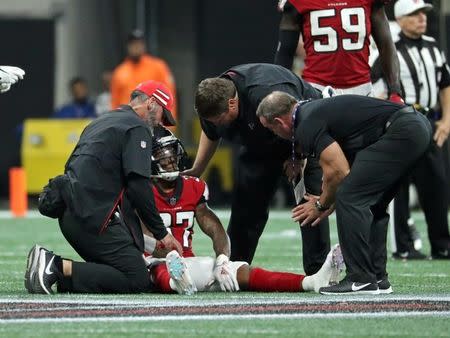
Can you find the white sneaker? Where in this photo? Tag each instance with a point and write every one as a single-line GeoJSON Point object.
{"type": "Point", "coordinates": [337, 264]}
{"type": "Point", "coordinates": [180, 277]}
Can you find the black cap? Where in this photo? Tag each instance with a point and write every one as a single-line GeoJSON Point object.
{"type": "Point", "coordinates": [135, 34]}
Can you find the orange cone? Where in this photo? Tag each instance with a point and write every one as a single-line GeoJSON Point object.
{"type": "Point", "coordinates": [18, 201]}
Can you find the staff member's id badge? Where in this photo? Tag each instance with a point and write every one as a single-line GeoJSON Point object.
{"type": "Point", "coordinates": [299, 188]}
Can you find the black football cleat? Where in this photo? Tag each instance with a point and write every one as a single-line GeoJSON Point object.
{"type": "Point", "coordinates": [347, 287]}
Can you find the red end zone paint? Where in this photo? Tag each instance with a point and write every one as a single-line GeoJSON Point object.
{"type": "Point", "coordinates": [35, 309]}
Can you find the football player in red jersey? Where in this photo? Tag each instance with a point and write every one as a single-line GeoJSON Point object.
{"type": "Point", "coordinates": [336, 40]}
{"type": "Point", "coordinates": [180, 200]}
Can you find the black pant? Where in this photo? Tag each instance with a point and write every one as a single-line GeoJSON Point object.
{"type": "Point", "coordinates": [432, 184]}
{"type": "Point", "coordinates": [256, 179]}
{"type": "Point", "coordinates": [113, 263]}
{"type": "Point", "coordinates": [363, 196]}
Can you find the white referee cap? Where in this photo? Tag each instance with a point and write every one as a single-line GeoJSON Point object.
{"type": "Point", "coordinates": [406, 7]}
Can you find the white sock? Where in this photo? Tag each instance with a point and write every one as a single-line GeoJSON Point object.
{"type": "Point", "coordinates": [308, 283]}
{"type": "Point", "coordinates": [320, 278]}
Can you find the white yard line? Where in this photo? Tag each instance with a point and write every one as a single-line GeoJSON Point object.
{"type": "Point", "coordinates": [238, 300]}
{"type": "Point", "coordinates": [439, 275]}
{"type": "Point", "coordinates": [223, 317]}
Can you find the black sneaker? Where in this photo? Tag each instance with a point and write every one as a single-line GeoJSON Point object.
{"type": "Point", "coordinates": [347, 287]}
{"type": "Point", "coordinates": [384, 286]}
{"type": "Point", "coordinates": [409, 255]}
{"type": "Point", "coordinates": [440, 254]}
{"type": "Point", "coordinates": [31, 270]}
{"type": "Point", "coordinates": [47, 273]}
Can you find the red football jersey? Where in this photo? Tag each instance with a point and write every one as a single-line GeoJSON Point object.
{"type": "Point", "coordinates": [336, 40]}
{"type": "Point", "coordinates": [177, 210]}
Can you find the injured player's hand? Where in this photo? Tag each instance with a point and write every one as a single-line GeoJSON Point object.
{"type": "Point", "coordinates": [223, 275]}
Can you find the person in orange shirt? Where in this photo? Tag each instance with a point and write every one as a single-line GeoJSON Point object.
{"type": "Point", "coordinates": [138, 67]}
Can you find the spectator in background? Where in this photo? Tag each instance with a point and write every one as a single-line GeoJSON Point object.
{"type": "Point", "coordinates": [81, 106]}
{"type": "Point", "coordinates": [138, 67]}
{"type": "Point", "coordinates": [103, 101]}
{"type": "Point", "coordinates": [425, 79]}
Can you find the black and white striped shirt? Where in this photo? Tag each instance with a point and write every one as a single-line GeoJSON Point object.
{"type": "Point", "coordinates": [423, 70]}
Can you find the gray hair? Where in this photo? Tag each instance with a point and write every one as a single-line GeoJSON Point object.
{"type": "Point", "coordinates": [275, 105]}
{"type": "Point", "coordinates": [138, 97]}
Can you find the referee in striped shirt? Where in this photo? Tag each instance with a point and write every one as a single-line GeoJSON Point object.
{"type": "Point", "coordinates": [425, 81]}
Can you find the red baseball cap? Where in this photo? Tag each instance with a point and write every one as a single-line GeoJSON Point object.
{"type": "Point", "coordinates": [163, 95]}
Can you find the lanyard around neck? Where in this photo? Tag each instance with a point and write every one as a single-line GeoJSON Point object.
{"type": "Point", "coordinates": [294, 113]}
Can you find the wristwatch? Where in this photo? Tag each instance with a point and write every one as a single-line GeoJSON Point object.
{"type": "Point", "coordinates": [320, 207]}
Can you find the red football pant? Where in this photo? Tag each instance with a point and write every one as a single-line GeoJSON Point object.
{"type": "Point", "coordinates": [269, 281]}
{"type": "Point", "coordinates": [161, 278]}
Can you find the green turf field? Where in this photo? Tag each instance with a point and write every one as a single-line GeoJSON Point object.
{"type": "Point", "coordinates": [279, 249]}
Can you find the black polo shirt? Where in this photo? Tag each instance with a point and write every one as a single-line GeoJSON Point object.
{"type": "Point", "coordinates": [110, 148]}
{"type": "Point", "coordinates": [254, 82]}
{"type": "Point", "coordinates": [353, 121]}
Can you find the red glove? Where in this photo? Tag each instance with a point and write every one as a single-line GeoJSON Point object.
{"type": "Point", "coordinates": [396, 98]}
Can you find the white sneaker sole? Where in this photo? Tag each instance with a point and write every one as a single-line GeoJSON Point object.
{"type": "Point", "coordinates": [361, 292]}
{"type": "Point", "coordinates": [180, 274]}
{"type": "Point", "coordinates": [386, 291]}
{"type": "Point", "coordinates": [32, 260]}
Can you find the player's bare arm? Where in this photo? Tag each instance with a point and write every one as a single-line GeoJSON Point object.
{"type": "Point", "coordinates": [206, 150]}
{"type": "Point", "coordinates": [388, 54]}
{"type": "Point", "coordinates": [335, 168]}
{"type": "Point", "coordinates": [211, 226]}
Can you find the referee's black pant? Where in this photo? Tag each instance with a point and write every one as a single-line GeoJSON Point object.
{"type": "Point", "coordinates": [113, 264]}
{"type": "Point", "coordinates": [430, 178]}
{"type": "Point", "coordinates": [363, 196]}
{"type": "Point", "coordinates": [256, 179]}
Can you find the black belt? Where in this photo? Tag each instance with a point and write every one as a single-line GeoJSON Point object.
{"type": "Point", "coordinates": [402, 111]}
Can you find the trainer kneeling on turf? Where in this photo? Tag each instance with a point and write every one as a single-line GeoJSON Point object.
{"type": "Point", "coordinates": [111, 164]}
{"type": "Point", "coordinates": [365, 146]}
